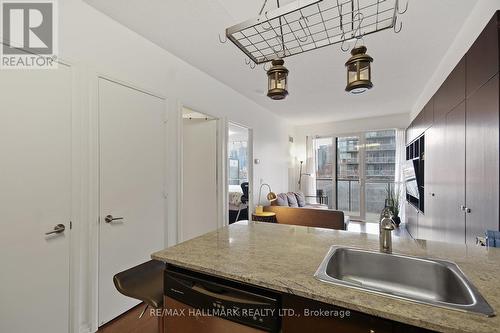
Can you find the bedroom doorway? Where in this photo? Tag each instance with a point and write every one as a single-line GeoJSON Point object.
{"type": "Point", "coordinates": [239, 171]}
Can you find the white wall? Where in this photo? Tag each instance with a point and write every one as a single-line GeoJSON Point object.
{"type": "Point", "coordinates": [93, 43]}
{"type": "Point", "coordinates": [473, 26]}
{"type": "Point", "coordinates": [298, 148]}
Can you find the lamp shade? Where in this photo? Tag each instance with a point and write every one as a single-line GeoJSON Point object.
{"type": "Point", "coordinates": [271, 196]}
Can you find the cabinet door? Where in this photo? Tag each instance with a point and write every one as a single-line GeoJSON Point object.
{"type": "Point", "coordinates": [431, 156]}
{"type": "Point", "coordinates": [419, 124]}
{"type": "Point", "coordinates": [483, 57]}
{"type": "Point", "coordinates": [453, 177]}
{"type": "Point", "coordinates": [452, 91]}
{"type": "Point", "coordinates": [410, 132]}
{"type": "Point", "coordinates": [482, 166]}
{"type": "Point", "coordinates": [428, 111]}
{"type": "Point", "coordinates": [430, 224]}
{"type": "Point", "coordinates": [411, 219]}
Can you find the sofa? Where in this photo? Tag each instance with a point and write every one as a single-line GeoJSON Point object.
{"type": "Point", "coordinates": [292, 208]}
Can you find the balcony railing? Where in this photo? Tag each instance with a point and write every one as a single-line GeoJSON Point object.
{"type": "Point", "coordinates": [368, 160]}
{"type": "Point", "coordinates": [348, 194]}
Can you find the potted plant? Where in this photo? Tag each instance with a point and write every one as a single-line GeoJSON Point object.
{"type": "Point", "coordinates": [392, 202]}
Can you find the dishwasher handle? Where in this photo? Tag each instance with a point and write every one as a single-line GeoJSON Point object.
{"type": "Point", "coordinates": [226, 295]}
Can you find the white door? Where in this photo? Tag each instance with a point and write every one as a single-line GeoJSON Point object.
{"type": "Point", "coordinates": [35, 196]}
{"type": "Point", "coordinates": [199, 178]}
{"type": "Point", "coordinates": [132, 155]}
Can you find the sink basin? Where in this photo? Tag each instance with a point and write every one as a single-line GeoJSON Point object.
{"type": "Point", "coordinates": [429, 281]}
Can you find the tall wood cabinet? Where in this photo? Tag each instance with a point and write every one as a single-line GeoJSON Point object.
{"type": "Point", "coordinates": [482, 175]}
{"type": "Point", "coordinates": [462, 172]}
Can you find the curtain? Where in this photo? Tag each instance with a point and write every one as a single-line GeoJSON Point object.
{"type": "Point", "coordinates": [399, 184]}
{"type": "Point", "coordinates": [309, 180]}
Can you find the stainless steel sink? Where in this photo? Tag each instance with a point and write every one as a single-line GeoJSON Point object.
{"type": "Point", "coordinates": [429, 281]}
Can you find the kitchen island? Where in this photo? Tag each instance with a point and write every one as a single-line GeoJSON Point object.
{"type": "Point", "coordinates": [284, 258]}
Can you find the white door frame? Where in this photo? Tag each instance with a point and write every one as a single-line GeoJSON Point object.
{"type": "Point", "coordinates": [221, 140]}
{"type": "Point", "coordinates": [225, 167]}
{"type": "Point", "coordinates": [93, 199]}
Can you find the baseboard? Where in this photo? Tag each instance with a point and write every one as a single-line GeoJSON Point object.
{"type": "Point", "coordinates": [85, 329]}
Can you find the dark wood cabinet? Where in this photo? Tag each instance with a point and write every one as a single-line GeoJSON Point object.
{"type": "Point", "coordinates": [411, 213]}
{"type": "Point", "coordinates": [444, 220]}
{"type": "Point", "coordinates": [482, 161]}
{"type": "Point", "coordinates": [452, 91]}
{"type": "Point", "coordinates": [483, 57]}
{"type": "Point", "coordinates": [452, 177]}
{"type": "Point", "coordinates": [410, 132]}
{"type": "Point", "coordinates": [419, 125]}
{"type": "Point", "coordinates": [434, 159]}
{"type": "Point", "coordinates": [428, 114]}
{"type": "Point", "coordinates": [462, 148]}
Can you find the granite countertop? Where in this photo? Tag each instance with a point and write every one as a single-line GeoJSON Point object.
{"type": "Point", "coordinates": [284, 258]}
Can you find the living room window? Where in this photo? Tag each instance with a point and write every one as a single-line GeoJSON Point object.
{"type": "Point", "coordinates": [355, 171]}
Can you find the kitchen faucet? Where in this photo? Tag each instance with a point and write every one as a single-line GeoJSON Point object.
{"type": "Point", "coordinates": [385, 228]}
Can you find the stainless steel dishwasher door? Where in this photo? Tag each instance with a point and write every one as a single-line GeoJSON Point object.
{"type": "Point", "coordinates": [196, 302]}
{"type": "Point", "coordinates": [175, 322]}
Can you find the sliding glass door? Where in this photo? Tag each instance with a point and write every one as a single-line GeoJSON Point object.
{"type": "Point", "coordinates": [355, 172]}
{"type": "Point", "coordinates": [349, 172]}
{"type": "Point", "coordinates": [325, 168]}
{"type": "Point", "coordinates": [380, 160]}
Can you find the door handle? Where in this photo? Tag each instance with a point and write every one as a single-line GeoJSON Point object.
{"type": "Point", "coordinates": [57, 230]}
{"type": "Point", "coordinates": [465, 209]}
{"type": "Point", "coordinates": [110, 218]}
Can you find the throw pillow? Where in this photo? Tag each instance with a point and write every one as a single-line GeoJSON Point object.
{"type": "Point", "coordinates": [301, 199]}
{"type": "Point", "coordinates": [292, 199]}
{"type": "Point", "coordinates": [281, 200]}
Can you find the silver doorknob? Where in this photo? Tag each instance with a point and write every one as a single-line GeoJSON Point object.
{"type": "Point", "coordinates": [110, 218]}
{"type": "Point", "coordinates": [57, 230]}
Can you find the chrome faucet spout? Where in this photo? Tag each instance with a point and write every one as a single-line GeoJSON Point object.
{"type": "Point", "coordinates": [386, 227]}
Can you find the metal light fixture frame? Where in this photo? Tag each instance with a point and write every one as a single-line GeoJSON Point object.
{"type": "Point", "coordinates": [306, 25]}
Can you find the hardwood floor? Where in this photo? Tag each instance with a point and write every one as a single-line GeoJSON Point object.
{"type": "Point", "coordinates": [129, 322]}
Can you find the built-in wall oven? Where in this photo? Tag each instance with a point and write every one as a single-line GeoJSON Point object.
{"type": "Point", "coordinates": [197, 303]}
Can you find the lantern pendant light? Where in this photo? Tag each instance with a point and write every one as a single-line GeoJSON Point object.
{"type": "Point", "coordinates": [359, 71]}
{"type": "Point", "coordinates": [277, 77]}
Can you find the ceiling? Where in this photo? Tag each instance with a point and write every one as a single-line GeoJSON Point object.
{"type": "Point", "coordinates": [403, 62]}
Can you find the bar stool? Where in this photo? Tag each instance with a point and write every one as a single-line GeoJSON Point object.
{"type": "Point", "coordinates": [145, 283]}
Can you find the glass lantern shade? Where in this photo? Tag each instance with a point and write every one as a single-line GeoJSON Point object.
{"type": "Point", "coordinates": [277, 80]}
{"type": "Point", "coordinates": [359, 71]}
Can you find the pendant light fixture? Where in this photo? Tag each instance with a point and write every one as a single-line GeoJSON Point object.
{"type": "Point", "coordinates": [305, 25]}
{"type": "Point", "coordinates": [277, 77]}
{"type": "Point", "coordinates": [359, 71]}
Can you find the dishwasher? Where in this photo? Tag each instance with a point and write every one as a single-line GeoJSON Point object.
{"type": "Point", "coordinates": [196, 303]}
